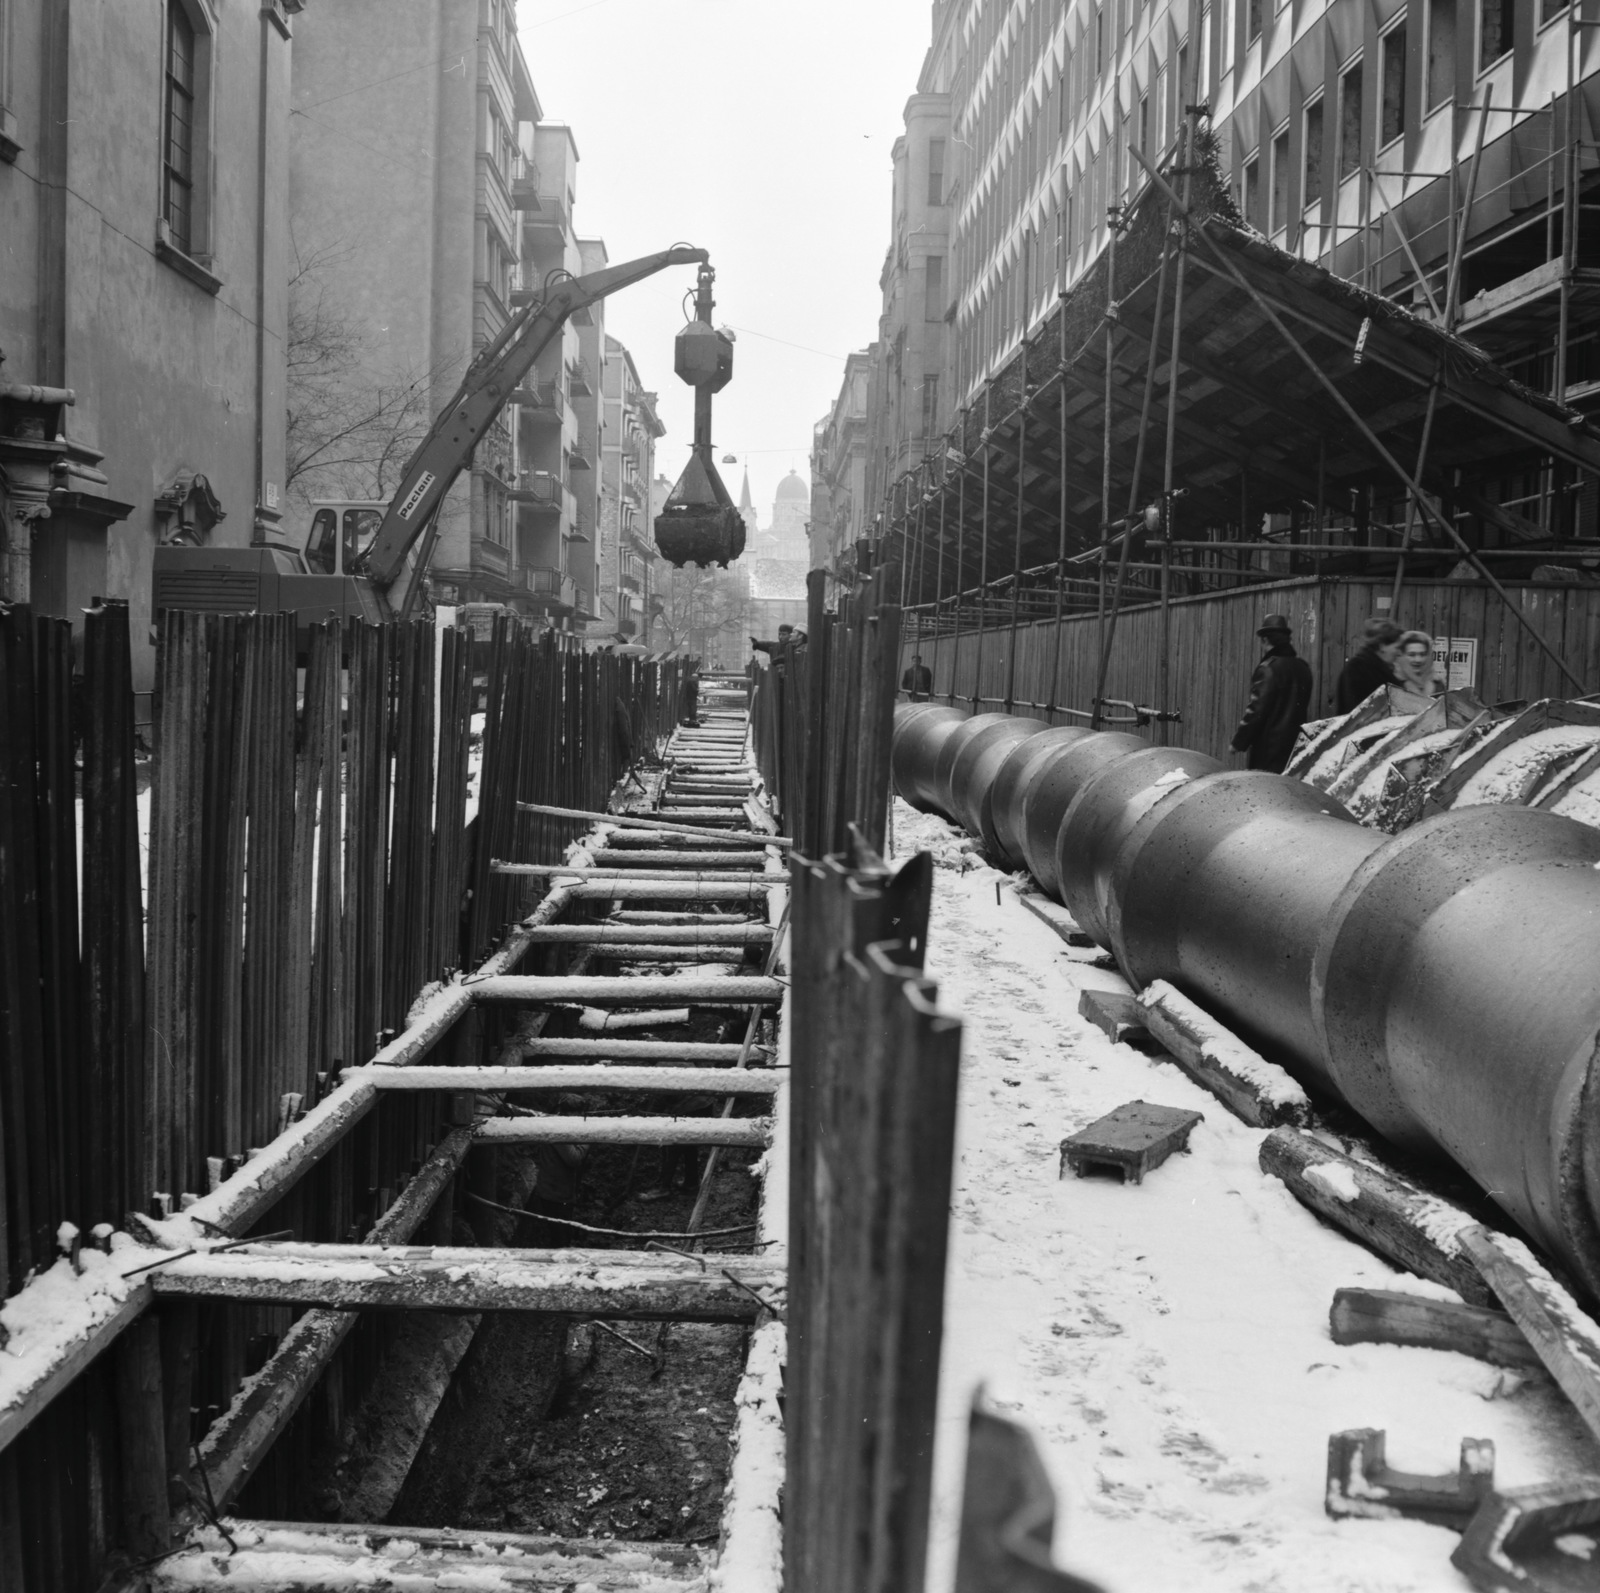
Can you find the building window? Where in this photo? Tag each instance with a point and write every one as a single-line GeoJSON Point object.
{"type": "Point", "coordinates": [182, 129]}
{"type": "Point", "coordinates": [936, 171]}
{"type": "Point", "coordinates": [933, 288]}
{"type": "Point", "coordinates": [1394, 85]}
{"type": "Point", "coordinates": [1280, 180]}
{"type": "Point", "coordinates": [1496, 25]}
{"type": "Point", "coordinates": [1350, 121]}
{"type": "Point", "coordinates": [1441, 51]}
{"type": "Point", "coordinates": [1252, 26]}
{"type": "Point", "coordinates": [1313, 141]}
{"type": "Point", "coordinates": [930, 405]}
{"type": "Point", "coordinates": [1252, 193]}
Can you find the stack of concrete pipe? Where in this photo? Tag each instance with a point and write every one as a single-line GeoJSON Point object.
{"type": "Point", "coordinates": [1444, 982]}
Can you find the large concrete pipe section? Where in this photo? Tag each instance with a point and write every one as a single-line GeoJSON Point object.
{"type": "Point", "coordinates": [976, 768]}
{"type": "Point", "coordinates": [1024, 764]}
{"type": "Point", "coordinates": [1048, 798]}
{"type": "Point", "coordinates": [1103, 815]}
{"type": "Point", "coordinates": [920, 730]}
{"type": "Point", "coordinates": [1222, 888]}
{"type": "Point", "coordinates": [951, 748]}
{"type": "Point", "coordinates": [1454, 993]}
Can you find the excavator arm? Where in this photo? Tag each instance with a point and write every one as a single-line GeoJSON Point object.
{"type": "Point", "coordinates": [494, 374]}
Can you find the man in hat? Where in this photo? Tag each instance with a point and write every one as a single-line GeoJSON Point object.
{"type": "Point", "coordinates": [1280, 693]}
{"type": "Point", "coordinates": [918, 680]}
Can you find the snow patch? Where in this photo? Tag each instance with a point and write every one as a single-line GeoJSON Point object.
{"type": "Point", "coordinates": [1222, 1047]}
{"type": "Point", "coordinates": [1334, 1179]}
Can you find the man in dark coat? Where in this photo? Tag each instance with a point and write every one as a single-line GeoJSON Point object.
{"type": "Point", "coordinates": [1280, 693]}
{"type": "Point", "coordinates": [1371, 666]}
{"type": "Point", "coordinates": [918, 680]}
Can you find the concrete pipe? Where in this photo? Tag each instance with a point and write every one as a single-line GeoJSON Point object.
{"type": "Point", "coordinates": [1023, 765]}
{"type": "Point", "coordinates": [1103, 815]}
{"type": "Point", "coordinates": [950, 749]}
{"type": "Point", "coordinates": [1223, 887]}
{"type": "Point", "coordinates": [1050, 795]}
{"type": "Point", "coordinates": [919, 730]}
{"type": "Point", "coordinates": [976, 767]}
{"type": "Point", "coordinates": [1454, 994]}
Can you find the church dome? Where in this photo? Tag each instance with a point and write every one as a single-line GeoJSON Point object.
{"type": "Point", "coordinates": [793, 490]}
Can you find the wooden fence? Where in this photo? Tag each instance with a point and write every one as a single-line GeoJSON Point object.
{"type": "Point", "coordinates": [316, 857]}
{"type": "Point", "coordinates": [822, 715]}
{"type": "Point", "coordinates": [1214, 649]}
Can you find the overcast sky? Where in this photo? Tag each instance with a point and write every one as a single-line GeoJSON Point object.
{"type": "Point", "coordinates": [762, 132]}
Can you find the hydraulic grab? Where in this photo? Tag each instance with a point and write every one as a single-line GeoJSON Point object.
{"type": "Point", "coordinates": [379, 574]}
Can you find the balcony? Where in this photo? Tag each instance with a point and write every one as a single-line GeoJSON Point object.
{"type": "Point", "coordinates": [550, 221]}
{"type": "Point", "coordinates": [580, 379]}
{"type": "Point", "coordinates": [542, 401]}
{"type": "Point", "coordinates": [525, 185]}
{"type": "Point", "coordinates": [583, 603]}
{"type": "Point", "coordinates": [629, 582]}
{"type": "Point", "coordinates": [539, 490]}
{"type": "Point", "coordinates": [550, 587]}
{"type": "Point", "coordinates": [578, 460]}
{"type": "Point", "coordinates": [487, 555]}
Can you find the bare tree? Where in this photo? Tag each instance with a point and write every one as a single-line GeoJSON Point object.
{"type": "Point", "coordinates": [352, 424]}
{"type": "Point", "coordinates": [705, 612]}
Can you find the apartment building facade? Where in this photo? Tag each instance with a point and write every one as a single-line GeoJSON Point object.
{"type": "Point", "coordinates": [424, 271]}
{"type": "Point", "coordinates": [143, 317]}
{"type": "Point", "coordinates": [840, 447]}
{"type": "Point", "coordinates": [626, 594]}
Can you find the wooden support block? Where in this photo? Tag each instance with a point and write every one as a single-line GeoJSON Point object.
{"type": "Point", "coordinates": [1132, 1140]}
{"type": "Point", "coordinates": [1056, 916]}
{"type": "Point", "coordinates": [1385, 1316]}
{"type": "Point", "coordinates": [751, 1132]}
{"type": "Point", "coordinates": [1362, 1484]}
{"type": "Point", "coordinates": [1417, 1231]}
{"type": "Point", "coordinates": [636, 1050]}
{"type": "Point", "coordinates": [613, 1284]}
{"type": "Point", "coordinates": [1255, 1090]}
{"type": "Point", "coordinates": [1118, 1016]}
{"type": "Point", "coordinates": [529, 989]}
{"type": "Point", "coordinates": [1564, 1336]}
{"type": "Point", "coordinates": [692, 1081]}
{"type": "Point", "coordinates": [1514, 1544]}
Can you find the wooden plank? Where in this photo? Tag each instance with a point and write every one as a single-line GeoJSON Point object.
{"type": "Point", "coordinates": [1252, 1088]}
{"type": "Point", "coordinates": [238, 1440]}
{"type": "Point", "coordinates": [26, 1389]}
{"type": "Point", "coordinates": [646, 990]}
{"type": "Point", "coordinates": [718, 1081]}
{"type": "Point", "coordinates": [744, 932]}
{"type": "Point", "coordinates": [596, 1283]}
{"type": "Point", "coordinates": [1417, 1231]}
{"type": "Point", "coordinates": [638, 1050]}
{"type": "Point", "coordinates": [1385, 1316]}
{"type": "Point", "coordinates": [569, 871]}
{"type": "Point", "coordinates": [1134, 1139]}
{"type": "Point", "coordinates": [653, 1130]}
{"type": "Point", "coordinates": [1561, 1333]}
{"type": "Point", "coordinates": [269, 1557]}
{"type": "Point", "coordinates": [1056, 916]}
{"type": "Point", "coordinates": [686, 857]}
{"type": "Point", "coordinates": [657, 890]}
{"type": "Point", "coordinates": [625, 952]}
{"type": "Point", "coordinates": [637, 821]}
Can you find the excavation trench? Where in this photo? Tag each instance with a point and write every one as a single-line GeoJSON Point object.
{"type": "Point", "coordinates": [548, 1424]}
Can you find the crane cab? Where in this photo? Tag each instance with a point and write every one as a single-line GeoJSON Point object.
{"type": "Point", "coordinates": [342, 531]}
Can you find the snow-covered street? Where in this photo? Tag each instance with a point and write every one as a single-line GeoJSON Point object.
{"type": "Point", "coordinates": [1168, 1343]}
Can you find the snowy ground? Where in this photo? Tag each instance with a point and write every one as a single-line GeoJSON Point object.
{"type": "Point", "coordinates": [1167, 1344]}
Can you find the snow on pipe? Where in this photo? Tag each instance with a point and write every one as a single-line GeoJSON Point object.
{"type": "Point", "coordinates": [1440, 981]}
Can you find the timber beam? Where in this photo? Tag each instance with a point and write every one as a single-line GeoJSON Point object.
{"type": "Point", "coordinates": [717, 1081]}
{"type": "Point", "coordinates": [612, 1284]}
{"type": "Point", "coordinates": [569, 1129]}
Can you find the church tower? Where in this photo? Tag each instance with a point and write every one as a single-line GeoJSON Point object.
{"type": "Point", "coordinates": [747, 509]}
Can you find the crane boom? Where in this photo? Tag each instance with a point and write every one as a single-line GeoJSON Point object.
{"type": "Point", "coordinates": [491, 378]}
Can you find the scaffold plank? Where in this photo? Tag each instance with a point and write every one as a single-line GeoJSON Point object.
{"type": "Point", "coordinates": [719, 1081]}
{"type": "Point", "coordinates": [654, 1130]}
